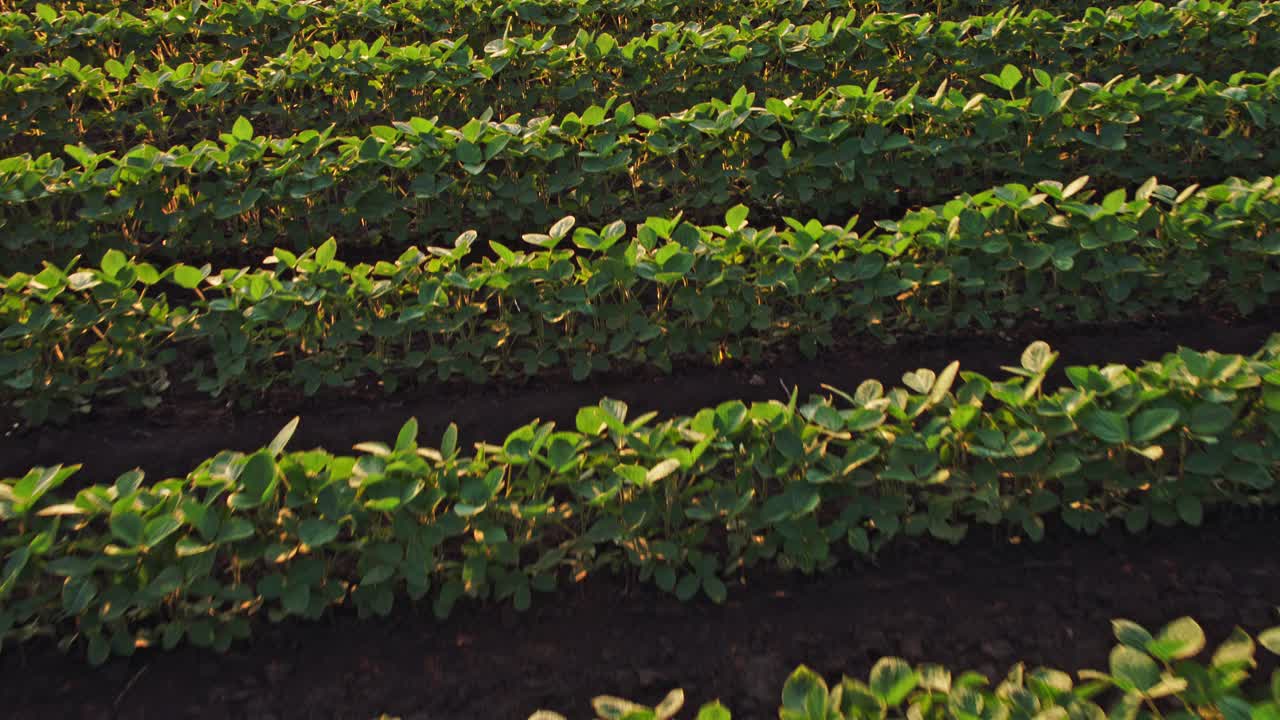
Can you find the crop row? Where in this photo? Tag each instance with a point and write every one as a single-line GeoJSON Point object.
{"type": "Point", "coordinates": [351, 85]}
{"type": "Point", "coordinates": [587, 300]}
{"type": "Point", "coordinates": [1148, 675]}
{"type": "Point", "coordinates": [221, 30]}
{"type": "Point", "coordinates": [205, 31]}
{"type": "Point", "coordinates": [844, 151]}
{"type": "Point", "coordinates": [688, 503]}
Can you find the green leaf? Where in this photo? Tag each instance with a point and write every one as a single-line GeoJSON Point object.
{"type": "Point", "coordinates": [942, 385]}
{"type": "Point", "coordinates": [449, 441]}
{"type": "Point", "coordinates": [1234, 708]}
{"type": "Point", "coordinates": [1110, 427]}
{"type": "Point", "coordinates": [688, 587]}
{"type": "Point", "coordinates": [892, 679]}
{"type": "Point", "coordinates": [1038, 357]}
{"type": "Point", "coordinates": [234, 530]}
{"type": "Point", "coordinates": [562, 227]}
{"type": "Point", "coordinates": [282, 438]}
{"type": "Point", "coordinates": [112, 262]}
{"type": "Point", "coordinates": [407, 439]}
{"type": "Point", "coordinates": [1180, 639]}
{"type": "Point", "coordinates": [158, 529]}
{"type": "Point", "coordinates": [670, 705]}
{"type": "Point", "coordinates": [736, 217]}
{"type": "Point", "coordinates": [715, 589]}
{"type": "Point", "coordinates": [964, 415]}
{"type": "Point", "coordinates": [1150, 424]}
{"type": "Point", "coordinates": [242, 129]}
{"type": "Point", "coordinates": [804, 696]}
{"type": "Point", "coordinates": [609, 707]}
{"type": "Point", "coordinates": [1075, 186]}
{"type": "Point", "coordinates": [1236, 652]}
{"type": "Point", "coordinates": [257, 479]}
{"type": "Point", "coordinates": [13, 567]}
{"type": "Point", "coordinates": [99, 649]}
{"type": "Point", "coordinates": [1133, 669]}
{"type": "Point", "coordinates": [858, 702]}
{"type": "Point", "coordinates": [77, 594]}
{"type": "Point", "coordinates": [920, 381]}
{"type": "Point", "coordinates": [127, 527]}
{"type": "Point", "coordinates": [315, 532]}
{"type": "Point", "coordinates": [1010, 76]}
{"type": "Point", "coordinates": [1131, 634]}
{"type": "Point", "coordinates": [591, 420]}
{"type": "Point", "coordinates": [714, 711]}
{"type": "Point", "coordinates": [296, 598]}
{"type": "Point", "coordinates": [1190, 509]}
{"type": "Point", "coordinates": [187, 277]}
{"type": "Point", "coordinates": [326, 252]}
{"type": "Point", "coordinates": [661, 470]}
{"type": "Point", "coordinates": [1210, 419]}
{"type": "Point", "coordinates": [1270, 639]}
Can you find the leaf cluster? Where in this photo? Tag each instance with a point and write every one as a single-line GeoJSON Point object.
{"type": "Point", "coordinates": [94, 30]}
{"type": "Point", "coordinates": [1150, 677]}
{"type": "Point", "coordinates": [847, 149]}
{"type": "Point", "coordinates": [688, 503]}
{"type": "Point", "coordinates": [126, 101]}
{"type": "Point", "coordinates": [665, 293]}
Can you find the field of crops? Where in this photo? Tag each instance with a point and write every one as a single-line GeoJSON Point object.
{"type": "Point", "coordinates": [457, 359]}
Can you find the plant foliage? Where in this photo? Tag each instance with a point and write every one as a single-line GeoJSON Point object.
{"type": "Point", "coordinates": [620, 298]}
{"type": "Point", "coordinates": [1148, 678]}
{"type": "Point", "coordinates": [688, 503]}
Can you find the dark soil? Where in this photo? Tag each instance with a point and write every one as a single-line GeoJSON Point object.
{"type": "Point", "coordinates": [982, 605]}
{"type": "Point", "coordinates": [171, 441]}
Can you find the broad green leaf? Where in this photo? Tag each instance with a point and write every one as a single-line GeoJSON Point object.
{"type": "Point", "coordinates": [804, 696]}
{"type": "Point", "coordinates": [670, 705]}
{"type": "Point", "coordinates": [1131, 634]}
{"type": "Point", "coordinates": [159, 528]}
{"type": "Point", "coordinates": [892, 679]}
{"type": "Point", "coordinates": [1133, 669]}
{"type": "Point", "coordinates": [1038, 357]}
{"type": "Point", "coordinates": [562, 227]}
{"type": "Point", "coordinates": [113, 262]}
{"type": "Point", "coordinates": [242, 129]}
{"type": "Point", "coordinates": [1235, 708]}
{"type": "Point", "coordinates": [282, 438]}
{"type": "Point", "coordinates": [591, 420]}
{"type": "Point", "coordinates": [609, 707]}
{"type": "Point", "coordinates": [1110, 427]}
{"type": "Point", "coordinates": [1180, 639]}
{"type": "Point", "coordinates": [13, 567]}
{"type": "Point", "coordinates": [736, 217]}
{"type": "Point", "coordinates": [407, 439]}
{"type": "Point", "coordinates": [661, 470]}
{"type": "Point", "coordinates": [315, 532]}
{"type": "Point", "coordinates": [1236, 652]}
{"type": "Point", "coordinates": [714, 711]}
{"type": "Point", "coordinates": [326, 252]}
{"type": "Point", "coordinates": [1150, 424]}
{"type": "Point", "coordinates": [257, 479]}
{"type": "Point", "coordinates": [1270, 639]}
{"type": "Point", "coordinates": [187, 276]}
{"type": "Point", "coordinates": [1190, 509]}
{"type": "Point", "coordinates": [296, 598]}
{"type": "Point", "coordinates": [127, 527]}
{"type": "Point", "coordinates": [77, 594]}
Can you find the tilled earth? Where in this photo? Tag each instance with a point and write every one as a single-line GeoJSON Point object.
{"type": "Point", "coordinates": [983, 605]}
